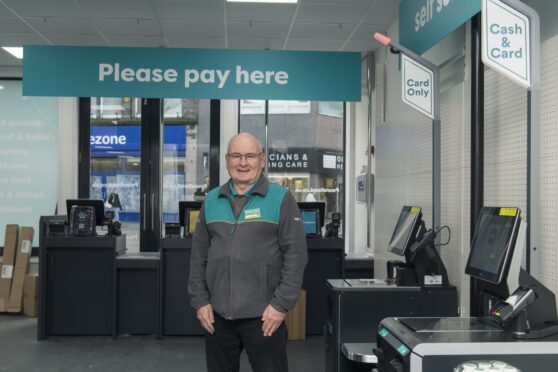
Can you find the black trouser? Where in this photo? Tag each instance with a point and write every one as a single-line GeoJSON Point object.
{"type": "Point", "coordinates": [223, 347]}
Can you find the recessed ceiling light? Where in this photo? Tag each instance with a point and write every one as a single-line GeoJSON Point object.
{"type": "Point", "coordinates": [1, 87]}
{"type": "Point", "coordinates": [264, 1]}
{"type": "Point", "coordinates": [15, 51]}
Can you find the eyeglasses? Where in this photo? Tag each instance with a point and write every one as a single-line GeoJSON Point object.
{"type": "Point", "coordinates": [236, 157]}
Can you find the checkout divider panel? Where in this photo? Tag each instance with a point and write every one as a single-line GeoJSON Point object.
{"type": "Point", "coordinates": [179, 318]}
{"type": "Point", "coordinates": [81, 284]}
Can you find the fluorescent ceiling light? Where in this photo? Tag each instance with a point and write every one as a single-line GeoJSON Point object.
{"type": "Point", "coordinates": [15, 51]}
{"type": "Point", "coordinates": [264, 1]}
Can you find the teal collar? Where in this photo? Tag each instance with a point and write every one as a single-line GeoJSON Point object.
{"type": "Point", "coordinates": [259, 187]}
{"type": "Point", "coordinates": [248, 193]}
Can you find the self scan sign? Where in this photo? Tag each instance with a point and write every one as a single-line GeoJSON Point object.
{"type": "Point", "coordinates": [417, 86]}
{"type": "Point", "coordinates": [505, 46]}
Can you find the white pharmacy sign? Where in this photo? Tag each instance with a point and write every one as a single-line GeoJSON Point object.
{"type": "Point", "coordinates": [417, 86]}
{"type": "Point", "coordinates": [505, 44]}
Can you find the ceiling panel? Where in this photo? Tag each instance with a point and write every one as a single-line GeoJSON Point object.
{"type": "Point", "coordinates": [184, 42]}
{"type": "Point", "coordinates": [77, 40]}
{"type": "Point", "coordinates": [10, 39]}
{"type": "Point", "coordinates": [122, 26]}
{"type": "Point", "coordinates": [51, 25]}
{"type": "Point", "coordinates": [258, 30]}
{"type": "Point", "coordinates": [337, 2]}
{"type": "Point", "coordinates": [117, 8]}
{"type": "Point", "coordinates": [361, 46]}
{"type": "Point", "coordinates": [194, 11]}
{"type": "Point", "coordinates": [43, 8]}
{"type": "Point", "coordinates": [384, 12]}
{"type": "Point", "coordinates": [194, 28]}
{"type": "Point", "coordinates": [188, 1]}
{"type": "Point", "coordinates": [136, 40]}
{"type": "Point", "coordinates": [256, 43]}
{"type": "Point", "coordinates": [260, 12]}
{"type": "Point", "coordinates": [5, 12]}
{"type": "Point", "coordinates": [326, 45]}
{"type": "Point", "coordinates": [321, 31]}
{"type": "Point", "coordinates": [366, 32]}
{"type": "Point", "coordinates": [13, 25]}
{"type": "Point", "coordinates": [330, 13]}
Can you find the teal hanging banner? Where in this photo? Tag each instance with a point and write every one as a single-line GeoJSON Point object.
{"type": "Point", "coordinates": [190, 73]}
{"type": "Point", "coordinates": [422, 23]}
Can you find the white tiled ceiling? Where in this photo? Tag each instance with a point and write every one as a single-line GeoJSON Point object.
{"type": "Point", "coordinates": [331, 25]}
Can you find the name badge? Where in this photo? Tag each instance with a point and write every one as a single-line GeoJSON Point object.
{"type": "Point", "coordinates": [250, 214]}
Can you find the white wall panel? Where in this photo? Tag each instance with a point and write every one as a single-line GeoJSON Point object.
{"type": "Point", "coordinates": [549, 165]}
{"type": "Point", "coordinates": [404, 161]}
{"type": "Point", "coordinates": [506, 157]}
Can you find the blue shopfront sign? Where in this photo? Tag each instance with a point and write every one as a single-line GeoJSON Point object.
{"type": "Point", "coordinates": [110, 141]}
{"type": "Point", "coordinates": [190, 73]}
{"type": "Point", "coordinates": [423, 23]}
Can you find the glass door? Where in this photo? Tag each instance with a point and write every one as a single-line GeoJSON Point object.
{"type": "Point", "coordinates": [116, 162]}
{"type": "Point", "coordinates": [185, 154]}
{"type": "Point", "coordinates": [143, 156]}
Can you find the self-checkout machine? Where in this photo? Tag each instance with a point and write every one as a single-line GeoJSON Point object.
{"type": "Point", "coordinates": [417, 286]}
{"type": "Point", "coordinates": [517, 329]}
{"type": "Point", "coordinates": [519, 333]}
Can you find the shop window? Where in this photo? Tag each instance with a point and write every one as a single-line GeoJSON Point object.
{"type": "Point", "coordinates": [305, 151]}
{"type": "Point", "coordinates": [254, 107]}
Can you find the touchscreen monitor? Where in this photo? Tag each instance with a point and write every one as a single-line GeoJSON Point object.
{"type": "Point", "coordinates": [405, 230]}
{"type": "Point", "coordinates": [319, 209]}
{"type": "Point", "coordinates": [98, 205]}
{"type": "Point", "coordinates": [493, 243]}
{"type": "Point", "coordinates": [183, 208]}
{"type": "Point", "coordinates": [310, 218]}
{"type": "Point", "coordinates": [192, 216]}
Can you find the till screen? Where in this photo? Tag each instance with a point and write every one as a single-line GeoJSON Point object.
{"type": "Point", "coordinates": [193, 216]}
{"type": "Point", "coordinates": [491, 240]}
{"type": "Point", "coordinates": [403, 231]}
{"type": "Point", "coordinates": [310, 220]}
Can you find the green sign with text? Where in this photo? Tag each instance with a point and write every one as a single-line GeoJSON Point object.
{"type": "Point", "coordinates": [190, 73]}
{"type": "Point", "coordinates": [423, 23]}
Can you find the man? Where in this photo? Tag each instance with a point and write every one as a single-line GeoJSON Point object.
{"type": "Point", "coordinates": [248, 259]}
{"type": "Point", "coordinates": [114, 202]}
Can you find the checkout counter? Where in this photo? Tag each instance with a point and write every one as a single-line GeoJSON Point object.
{"type": "Point", "coordinates": [77, 273]}
{"type": "Point", "coordinates": [519, 329]}
{"type": "Point", "coordinates": [88, 285]}
{"type": "Point", "coordinates": [417, 287]}
{"type": "Point", "coordinates": [325, 260]}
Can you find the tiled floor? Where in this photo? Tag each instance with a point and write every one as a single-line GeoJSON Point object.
{"type": "Point", "coordinates": [20, 351]}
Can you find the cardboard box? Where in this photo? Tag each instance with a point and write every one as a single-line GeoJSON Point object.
{"type": "Point", "coordinates": [31, 295]}
{"type": "Point", "coordinates": [24, 245]}
{"type": "Point", "coordinates": [7, 267]}
{"type": "Point", "coordinates": [296, 318]}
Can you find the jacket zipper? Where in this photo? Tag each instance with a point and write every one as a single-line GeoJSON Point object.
{"type": "Point", "coordinates": [230, 247]}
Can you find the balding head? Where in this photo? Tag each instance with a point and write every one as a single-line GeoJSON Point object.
{"type": "Point", "coordinates": [244, 138]}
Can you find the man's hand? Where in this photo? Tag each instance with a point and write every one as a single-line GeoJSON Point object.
{"type": "Point", "coordinates": [272, 319]}
{"type": "Point", "coordinates": [205, 316]}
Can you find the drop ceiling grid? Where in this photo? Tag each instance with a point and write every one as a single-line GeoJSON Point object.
{"type": "Point", "coordinates": [319, 25]}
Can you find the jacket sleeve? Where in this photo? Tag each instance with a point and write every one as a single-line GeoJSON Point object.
{"type": "Point", "coordinates": [197, 287]}
{"type": "Point", "coordinates": [292, 242]}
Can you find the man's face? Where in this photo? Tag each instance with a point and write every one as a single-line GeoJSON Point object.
{"type": "Point", "coordinates": [246, 168]}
